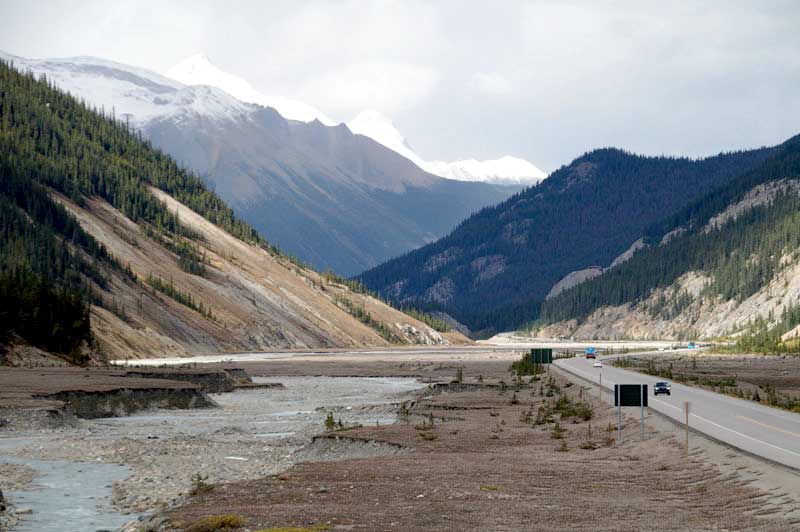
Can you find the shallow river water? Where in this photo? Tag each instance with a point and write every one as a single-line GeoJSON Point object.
{"type": "Point", "coordinates": [72, 496]}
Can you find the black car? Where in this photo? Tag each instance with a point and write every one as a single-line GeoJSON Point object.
{"type": "Point", "coordinates": [661, 387]}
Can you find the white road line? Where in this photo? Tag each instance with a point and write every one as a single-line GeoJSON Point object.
{"type": "Point", "coordinates": [746, 436]}
{"type": "Point", "coordinates": [768, 426]}
{"type": "Point", "coordinates": [717, 425]}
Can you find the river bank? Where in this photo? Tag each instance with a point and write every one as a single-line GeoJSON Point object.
{"type": "Point", "coordinates": [251, 434]}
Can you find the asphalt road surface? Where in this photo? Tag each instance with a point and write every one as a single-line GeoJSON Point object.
{"type": "Point", "coordinates": [760, 430]}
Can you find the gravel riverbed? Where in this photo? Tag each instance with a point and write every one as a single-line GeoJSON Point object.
{"type": "Point", "coordinates": [254, 433]}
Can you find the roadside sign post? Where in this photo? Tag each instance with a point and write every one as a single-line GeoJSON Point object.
{"type": "Point", "coordinates": [686, 408]}
{"type": "Point", "coordinates": [600, 388]}
{"type": "Point", "coordinates": [629, 395]}
{"type": "Point", "coordinates": [641, 406]}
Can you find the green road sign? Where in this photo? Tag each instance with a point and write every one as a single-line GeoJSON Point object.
{"type": "Point", "coordinates": [630, 395]}
{"type": "Point", "coordinates": [542, 356]}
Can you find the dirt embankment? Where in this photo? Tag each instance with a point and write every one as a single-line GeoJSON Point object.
{"type": "Point", "coordinates": [49, 395]}
{"type": "Point", "coordinates": [504, 458]}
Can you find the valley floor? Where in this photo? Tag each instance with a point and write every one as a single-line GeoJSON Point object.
{"type": "Point", "coordinates": [429, 454]}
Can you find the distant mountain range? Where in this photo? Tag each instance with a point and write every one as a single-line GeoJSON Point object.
{"type": "Point", "coordinates": [495, 269]}
{"type": "Point", "coordinates": [199, 70]}
{"type": "Point", "coordinates": [332, 198]}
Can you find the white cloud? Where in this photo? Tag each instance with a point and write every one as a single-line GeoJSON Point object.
{"type": "Point", "coordinates": [387, 87]}
{"type": "Point", "coordinates": [491, 83]}
{"type": "Point", "coordinates": [543, 79]}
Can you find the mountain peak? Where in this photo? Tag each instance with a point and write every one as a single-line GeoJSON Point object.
{"type": "Point", "coordinates": [506, 170]}
{"type": "Point", "coordinates": [199, 70]}
{"type": "Point", "coordinates": [380, 128]}
{"type": "Point", "coordinates": [196, 65]}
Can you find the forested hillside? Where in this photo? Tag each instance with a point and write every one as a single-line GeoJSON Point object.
{"type": "Point", "coordinates": [494, 270]}
{"type": "Point", "coordinates": [739, 239]}
{"type": "Point", "coordinates": [61, 161]}
{"type": "Point", "coordinates": [333, 199]}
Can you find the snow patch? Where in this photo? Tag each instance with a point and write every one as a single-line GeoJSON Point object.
{"type": "Point", "coordinates": [506, 170]}
{"type": "Point", "coordinates": [503, 171]}
{"type": "Point", "coordinates": [132, 94]}
{"type": "Point", "coordinates": [198, 70]}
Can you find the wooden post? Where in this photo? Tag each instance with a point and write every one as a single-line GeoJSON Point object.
{"type": "Point", "coordinates": [600, 388]}
{"type": "Point", "coordinates": [641, 406]}
{"type": "Point", "coordinates": [619, 418]}
{"type": "Point", "coordinates": [686, 407]}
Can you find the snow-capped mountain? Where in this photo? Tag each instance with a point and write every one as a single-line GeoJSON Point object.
{"type": "Point", "coordinates": [334, 199]}
{"type": "Point", "coordinates": [504, 171]}
{"type": "Point", "coordinates": [379, 128]}
{"type": "Point", "coordinates": [132, 94]}
{"type": "Point", "coordinates": [198, 70]}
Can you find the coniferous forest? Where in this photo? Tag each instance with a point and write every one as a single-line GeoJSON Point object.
{"type": "Point", "coordinates": [494, 270]}
{"type": "Point", "coordinates": [740, 257]}
{"type": "Point", "coordinates": [50, 269]}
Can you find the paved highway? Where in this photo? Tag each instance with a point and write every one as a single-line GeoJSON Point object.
{"type": "Point", "coordinates": [763, 431]}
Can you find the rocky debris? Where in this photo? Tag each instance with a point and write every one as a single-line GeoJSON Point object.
{"type": "Point", "coordinates": [40, 419]}
{"type": "Point", "coordinates": [14, 477]}
{"type": "Point", "coordinates": [150, 524]}
{"type": "Point", "coordinates": [268, 428]}
{"type": "Point", "coordinates": [573, 279]}
{"type": "Point", "coordinates": [704, 317]}
{"type": "Point", "coordinates": [426, 336]}
{"type": "Point", "coordinates": [762, 194]}
{"type": "Point", "coordinates": [330, 448]}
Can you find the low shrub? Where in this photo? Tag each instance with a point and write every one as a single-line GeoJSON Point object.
{"type": "Point", "coordinates": [216, 523]}
{"type": "Point", "coordinates": [200, 484]}
{"type": "Point", "coordinates": [312, 528]}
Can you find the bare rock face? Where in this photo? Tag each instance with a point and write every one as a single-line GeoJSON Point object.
{"type": "Point", "coordinates": [2, 502]}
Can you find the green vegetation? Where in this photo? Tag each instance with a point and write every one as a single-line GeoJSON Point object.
{"type": "Point", "coordinates": [330, 423]}
{"type": "Point", "coordinates": [497, 266]}
{"type": "Point", "coordinates": [526, 366]}
{"type": "Point", "coordinates": [200, 484]}
{"type": "Point", "coordinates": [50, 269]}
{"type": "Point", "coordinates": [740, 257]}
{"type": "Point", "coordinates": [359, 288]}
{"type": "Point", "coordinates": [727, 384]}
{"type": "Point", "coordinates": [190, 258]}
{"type": "Point", "coordinates": [434, 323]}
{"type": "Point", "coordinates": [366, 318]}
{"type": "Point", "coordinates": [764, 335]}
{"type": "Point", "coordinates": [353, 284]}
{"type": "Point", "coordinates": [184, 298]}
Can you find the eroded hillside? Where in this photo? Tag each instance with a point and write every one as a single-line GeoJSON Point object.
{"type": "Point", "coordinates": [110, 249]}
{"type": "Point", "coordinates": [251, 299]}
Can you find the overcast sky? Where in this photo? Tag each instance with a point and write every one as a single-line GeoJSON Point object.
{"type": "Point", "coordinates": [541, 80]}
